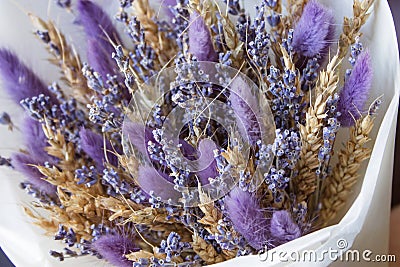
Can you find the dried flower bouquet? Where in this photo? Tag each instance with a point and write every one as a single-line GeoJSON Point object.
{"type": "Point", "coordinates": [208, 136]}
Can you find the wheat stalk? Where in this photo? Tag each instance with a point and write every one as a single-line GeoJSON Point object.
{"type": "Point", "coordinates": [156, 39]}
{"type": "Point", "coordinates": [66, 58]}
{"type": "Point", "coordinates": [345, 174]}
{"type": "Point", "coordinates": [311, 132]}
{"type": "Point", "coordinates": [295, 10]}
{"type": "Point", "coordinates": [206, 251]}
{"type": "Point", "coordinates": [352, 26]}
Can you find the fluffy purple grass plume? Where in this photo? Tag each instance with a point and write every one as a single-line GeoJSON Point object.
{"type": "Point", "coordinates": [113, 247]}
{"type": "Point", "coordinates": [99, 57]}
{"type": "Point", "coordinates": [200, 43]}
{"type": "Point", "coordinates": [314, 31]}
{"type": "Point", "coordinates": [355, 92]}
{"type": "Point", "coordinates": [149, 179]}
{"type": "Point", "coordinates": [93, 145]}
{"type": "Point", "coordinates": [18, 80]}
{"type": "Point", "coordinates": [246, 108]}
{"type": "Point", "coordinates": [207, 163]}
{"type": "Point", "coordinates": [247, 217]}
{"type": "Point", "coordinates": [166, 4]}
{"type": "Point", "coordinates": [35, 142]}
{"type": "Point", "coordinates": [138, 135]}
{"type": "Point", "coordinates": [98, 28]}
{"type": "Point", "coordinates": [282, 227]}
{"type": "Point", "coordinates": [35, 139]}
{"type": "Point", "coordinates": [23, 163]}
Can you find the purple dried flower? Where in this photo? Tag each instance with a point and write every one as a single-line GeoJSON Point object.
{"type": "Point", "coordinates": [93, 145]}
{"type": "Point", "coordinates": [19, 81]}
{"type": "Point", "coordinates": [149, 179]}
{"type": "Point", "coordinates": [355, 92]}
{"type": "Point", "coordinates": [245, 106]}
{"type": "Point", "coordinates": [100, 59]}
{"type": "Point", "coordinates": [113, 248]}
{"type": "Point", "coordinates": [207, 163]}
{"type": "Point", "coordinates": [35, 142]}
{"type": "Point", "coordinates": [96, 22]}
{"type": "Point", "coordinates": [200, 42]}
{"type": "Point", "coordinates": [314, 31]}
{"type": "Point", "coordinates": [138, 136]}
{"type": "Point", "coordinates": [98, 28]}
{"type": "Point", "coordinates": [22, 163]}
{"type": "Point", "coordinates": [167, 4]}
{"type": "Point", "coordinates": [247, 217]}
{"type": "Point", "coordinates": [283, 228]}
{"type": "Point", "coordinates": [35, 139]}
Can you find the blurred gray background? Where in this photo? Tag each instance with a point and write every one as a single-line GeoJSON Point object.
{"type": "Point", "coordinates": [395, 6]}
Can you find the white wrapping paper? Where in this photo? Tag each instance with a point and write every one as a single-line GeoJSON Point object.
{"type": "Point", "coordinates": [364, 226]}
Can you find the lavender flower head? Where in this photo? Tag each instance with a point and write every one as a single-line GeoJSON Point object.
{"type": "Point", "coordinates": [283, 228]}
{"type": "Point", "coordinates": [247, 217]}
{"type": "Point", "coordinates": [355, 92]}
{"type": "Point", "coordinates": [200, 42]}
{"type": "Point", "coordinates": [19, 81]}
{"type": "Point", "coordinates": [314, 31]}
{"type": "Point", "coordinates": [113, 248]}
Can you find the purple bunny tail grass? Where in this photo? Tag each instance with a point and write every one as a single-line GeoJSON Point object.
{"type": "Point", "coordinates": [138, 136]}
{"type": "Point", "coordinates": [93, 145]}
{"type": "Point", "coordinates": [96, 22]}
{"type": "Point", "coordinates": [355, 92]}
{"type": "Point", "coordinates": [22, 163]}
{"type": "Point", "coordinates": [247, 217]}
{"type": "Point", "coordinates": [114, 247]}
{"type": "Point", "coordinates": [314, 31]}
{"type": "Point", "coordinates": [98, 28]}
{"type": "Point", "coordinates": [151, 180]}
{"type": "Point", "coordinates": [282, 227]}
{"type": "Point", "coordinates": [166, 4]}
{"type": "Point", "coordinates": [99, 58]}
{"type": "Point", "coordinates": [188, 150]}
{"type": "Point", "coordinates": [200, 42]}
{"type": "Point", "coordinates": [35, 139]}
{"type": "Point", "coordinates": [19, 81]}
{"type": "Point", "coordinates": [207, 163]}
{"type": "Point", "coordinates": [246, 108]}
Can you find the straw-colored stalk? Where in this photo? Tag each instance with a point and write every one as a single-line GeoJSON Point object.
{"type": "Point", "coordinates": [345, 174]}
{"type": "Point", "coordinates": [311, 132]}
{"type": "Point", "coordinates": [206, 251]}
{"type": "Point", "coordinates": [295, 10]}
{"type": "Point", "coordinates": [66, 58]}
{"type": "Point", "coordinates": [352, 26]}
{"type": "Point", "coordinates": [156, 39]}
